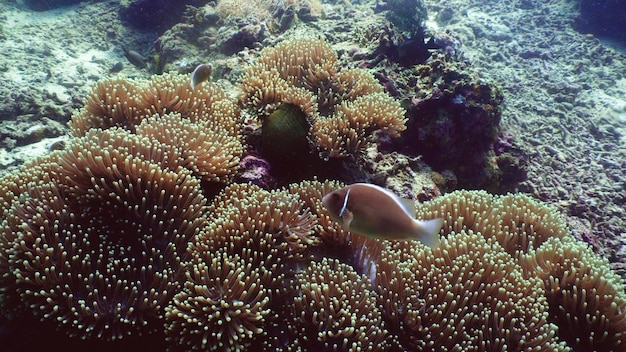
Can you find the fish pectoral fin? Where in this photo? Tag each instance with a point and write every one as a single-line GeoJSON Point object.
{"type": "Point", "coordinates": [346, 219]}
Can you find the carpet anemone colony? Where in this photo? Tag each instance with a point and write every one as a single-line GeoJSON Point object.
{"type": "Point", "coordinates": [141, 228]}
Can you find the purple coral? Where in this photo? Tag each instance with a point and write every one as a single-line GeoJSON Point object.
{"type": "Point", "coordinates": [256, 171]}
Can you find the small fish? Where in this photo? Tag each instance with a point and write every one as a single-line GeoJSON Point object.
{"type": "Point", "coordinates": [373, 211]}
{"type": "Point", "coordinates": [134, 57]}
{"type": "Point", "coordinates": [116, 68]}
{"type": "Point", "coordinates": [200, 74]}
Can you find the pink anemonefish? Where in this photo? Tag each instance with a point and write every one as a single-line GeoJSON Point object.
{"type": "Point", "coordinates": [373, 211]}
{"type": "Point", "coordinates": [200, 74]}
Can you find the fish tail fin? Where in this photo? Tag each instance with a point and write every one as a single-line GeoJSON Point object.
{"type": "Point", "coordinates": [428, 232]}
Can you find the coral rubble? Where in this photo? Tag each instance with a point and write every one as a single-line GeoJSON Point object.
{"type": "Point", "coordinates": [49, 4]}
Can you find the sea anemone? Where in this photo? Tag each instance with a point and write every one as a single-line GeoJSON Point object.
{"type": "Point", "coordinates": [222, 306]}
{"type": "Point", "coordinates": [335, 311]}
{"type": "Point", "coordinates": [201, 124]}
{"type": "Point", "coordinates": [586, 298]}
{"type": "Point", "coordinates": [125, 103]}
{"type": "Point", "coordinates": [112, 102]}
{"type": "Point", "coordinates": [468, 293]}
{"type": "Point", "coordinates": [339, 108]}
{"type": "Point", "coordinates": [210, 154]}
{"type": "Point", "coordinates": [239, 269]}
{"type": "Point", "coordinates": [99, 248]}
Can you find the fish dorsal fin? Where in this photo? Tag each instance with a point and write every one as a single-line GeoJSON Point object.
{"type": "Point", "coordinates": [408, 206]}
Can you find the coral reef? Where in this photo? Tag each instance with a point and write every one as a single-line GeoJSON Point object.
{"type": "Point", "coordinates": [111, 238]}
{"type": "Point", "coordinates": [389, 43]}
{"type": "Point", "coordinates": [227, 27]}
{"type": "Point", "coordinates": [453, 116]}
{"type": "Point", "coordinates": [406, 176]}
{"type": "Point", "coordinates": [153, 14]}
{"type": "Point", "coordinates": [408, 15]}
{"type": "Point", "coordinates": [456, 125]}
{"type": "Point", "coordinates": [203, 33]}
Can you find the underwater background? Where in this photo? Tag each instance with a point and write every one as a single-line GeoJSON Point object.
{"type": "Point", "coordinates": [142, 211]}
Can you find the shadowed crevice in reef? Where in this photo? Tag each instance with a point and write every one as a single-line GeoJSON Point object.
{"type": "Point", "coordinates": [605, 18]}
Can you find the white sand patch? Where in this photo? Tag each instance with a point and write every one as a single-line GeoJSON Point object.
{"type": "Point", "coordinates": [24, 153]}
{"type": "Point", "coordinates": [18, 77]}
{"type": "Point", "coordinates": [57, 92]}
{"type": "Point", "coordinates": [21, 19]}
{"type": "Point", "coordinates": [65, 47]}
{"type": "Point", "coordinates": [76, 66]}
{"type": "Point", "coordinates": [433, 25]}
